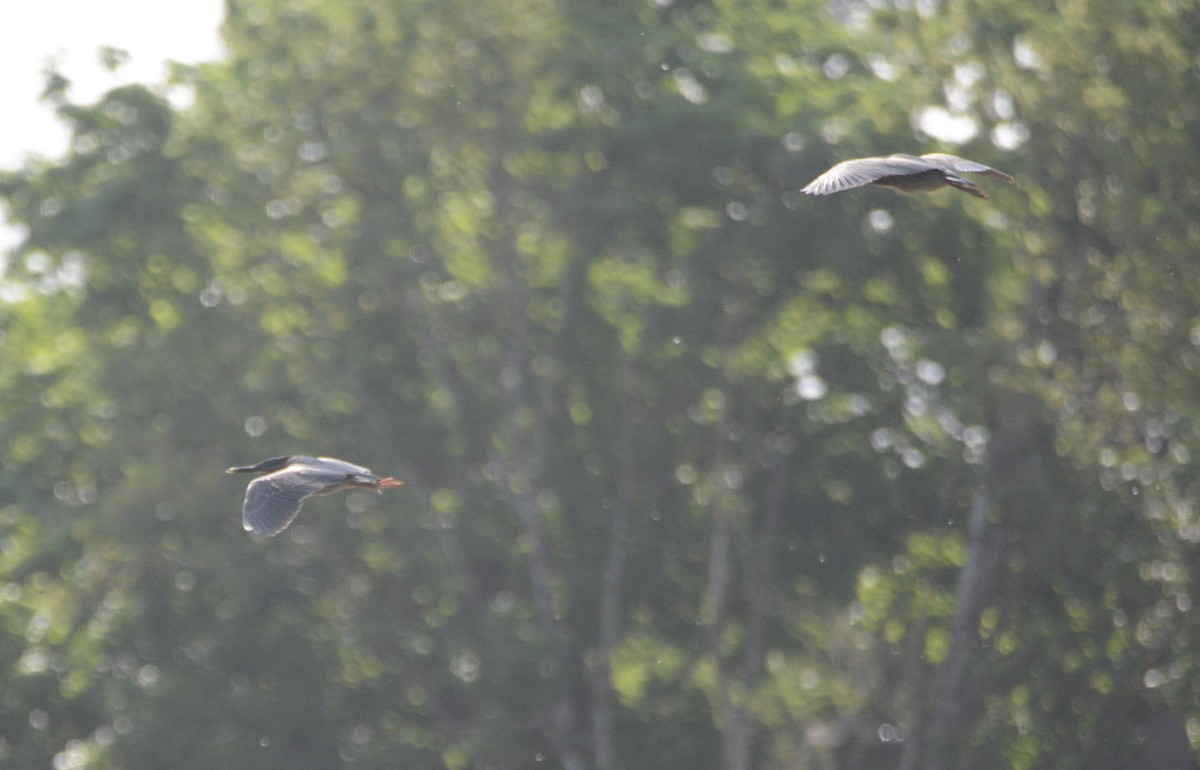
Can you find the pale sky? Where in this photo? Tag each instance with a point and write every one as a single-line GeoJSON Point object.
{"type": "Point", "coordinates": [71, 32]}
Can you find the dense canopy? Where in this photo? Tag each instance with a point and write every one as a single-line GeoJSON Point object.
{"type": "Point", "coordinates": [700, 472]}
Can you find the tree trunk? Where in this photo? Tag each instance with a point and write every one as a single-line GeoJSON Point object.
{"type": "Point", "coordinates": [610, 589]}
{"type": "Point", "coordinates": [1014, 469]}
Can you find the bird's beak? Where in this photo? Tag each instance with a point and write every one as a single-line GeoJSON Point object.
{"type": "Point", "coordinates": [243, 469]}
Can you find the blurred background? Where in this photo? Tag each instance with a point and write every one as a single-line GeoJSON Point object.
{"type": "Point", "coordinates": [700, 472]}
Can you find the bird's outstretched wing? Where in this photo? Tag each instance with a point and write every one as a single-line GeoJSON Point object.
{"type": "Point", "coordinates": [963, 166]}
{"type": "Point", "coordinates": [272, 501]}
{"type": "Point", "coordinates": [862, 171]}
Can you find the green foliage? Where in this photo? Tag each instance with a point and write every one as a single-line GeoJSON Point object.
{"type": "Point", "coordinates": [693, 463]}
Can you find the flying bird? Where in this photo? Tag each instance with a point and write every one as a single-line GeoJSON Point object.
{"type": "Point", "coordinates": [906, 173]}
{"type": "Point", "coordinates": [274, 499]}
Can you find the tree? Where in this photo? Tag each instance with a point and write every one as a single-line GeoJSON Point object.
{"type": "Point", "coordinates": [698, 472]}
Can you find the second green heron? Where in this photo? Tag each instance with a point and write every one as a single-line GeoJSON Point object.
{"type": "Point", "coordinates": [906, 173]}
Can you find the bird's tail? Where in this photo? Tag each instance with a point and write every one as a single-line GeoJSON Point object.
{"type": "Point", "coordinates": [965, 185]}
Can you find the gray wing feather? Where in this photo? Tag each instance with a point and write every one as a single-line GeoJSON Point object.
{"type": "Point", "coordinates": [963, 166]}
{"type": "Point", "coordinates": [272, 501]}
{"type": "Point", "coordinates": [862, 171]}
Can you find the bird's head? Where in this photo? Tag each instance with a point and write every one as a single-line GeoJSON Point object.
{"type": "Point", "coordinates": [266, 466]}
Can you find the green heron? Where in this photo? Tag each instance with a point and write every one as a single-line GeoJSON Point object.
{"type": "Point", "coordinates": [907, 173]}
{"type": "Point", "coordinates": [274, 499]}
